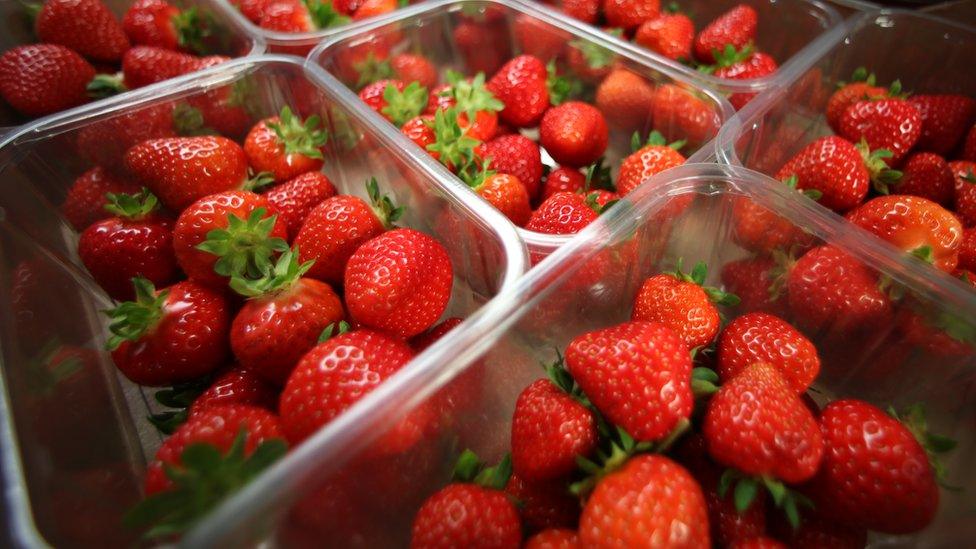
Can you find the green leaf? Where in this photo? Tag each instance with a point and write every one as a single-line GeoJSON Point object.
{"type": "Point", "coordinates": [776, 489]}
{"type": "Point", "coordinates": [268, 452]}
{"type": "Point", "coordinates": [193, 27]}
{"type": "Point", "coordinates": [188, 121]}
{"type": "Point", "coordinates": [202, 457]}
{"type": "Point", "coordinates": [130, 320]}
{"type": "Point", "coordinates": [699, 273]}
{"type": "Point", "coordinates": [131, 206]}
{"type": "Point", "coordinates": [924, 253]}
{"type": "Point", "coordinates": [401, 106]}
{"type": "Point", "coordinates": [496, 477]}
{"type": "Point", "coordinates": [595, 55]}
{"type": "Point", "coordinates": [372, 69]}
{"type": "Point", "coordinates": [467, 467]}
{"type": "Point", "coordinates": [745, 494]}
{"type": "Point", "coordinates": [451, 142]}
{"type": "Point", "coordinates": [105, 85]}
{"type": "Point", "coordinates": [324, 16]}
{"type": "Point", "coordinates": [167, 422]}
{"type": "Point", "coordinates": [327, 333]}
{"type": "Point", "coordinates": [300, 137]}
{"type": "Point", "coordinates": [245, 247]}
{"type": "Point", "coordinates": [939, 444]}
{"type": "Point", "coordinates": [704, 374]}
{"type": "Point", "coordinates": [386, 211]}
{"type": "Point", "coordinates": [729, 476]}
{"type": "Point", "coordinates": [278, 279]}
{"type": "Point", "coordinates": [561, 87]}
{"type": "Point", "coordinates": [471, 96]}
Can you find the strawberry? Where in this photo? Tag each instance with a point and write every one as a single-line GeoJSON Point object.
{"type": "Point", "coordinates": [39, 79]}
{"type": "Point", "coordinates": [761, 542]}
{"type": "Point", "coordinates": [587, 61]}
{"type": "Point", "coordinates": [830, 290]}
{"type": "Point", "coordinates": [833, 167]}
{"type": "Point", "coordinates": [372, 8]}
{"type": "Point", "coordinates": [681, 114]}
{"type": "Point", "coordinates": [681, 302]}
{"type": "Point", "coordinates": [890, 124]}
{"type": "Point", "coordinates": [285, 145]}
{"type": "Point", "coordinates": [736, 27]}
{"type": "Point", "coordinates": [225, 234]}
{"type": "Point", "coordinates": [815, 532]}
{"type": "Point", "coordinates": [483, 46]}
{"type": "Point", "coordinates": [554, 538]}
{"type": "Point", "coordinates": [334, 375]}
{"type": "Point", "coordinates": [300, 16]}
{"type": "Point", "coordinates": [136, 242]}
{"type": "Point", "coordinates": [637, 374]}
{"type": "Point", "coordinates": [503, 191]}
{"type": "Point", "coordinates": [563, 179]}
{"type": "Point", "coordinates": [584, 10]}
{"type": "Point", "coordinates": [236, 386]}
{"type": "Point", "coordinates": [452, 146]}
{"type": "Point", "coordinates": [728, 524]}
{"type": "Point", "coordinates": [476, 107]}
{"type": "Point", "coordinates": [395, 100]}
{"type": "Point", "coordinates": [964, 172]}
{"type": "Point", "coordinates": [84, 203]}
{"type": "Point", "coordinates": [650, 159]}
{"type": "Point", "coordinates": [967, 250]}
{"type": "Point", "coordinates": [521, 86]}
{"type": "Point", "coordinates": [398, 282]}
{"type": "Point", "coordinates": [744, 65]}
{"type": "Point", "coordinates": [336, 228]}
{"type": "Point", "coordinates": [420, 342]}
{"type": "Point", "coordinates": [515, 155]}
{"type": "Point", "coordinates": [84, 26]}
{"type": "Point", "coordinates": [861, 87]}
{"type": "Point", "coordinates": [252, 9]}
{"type": "Point", "coordinates": [649, 498]}
{"type": "Point", "coordinates": [170, 336]}
{"type": "Point", "coordinates": [544, 504]}
{"type": "Point", "coordinates": [756, 424]}
{"type": "Point", "coordinates": [927, 175]}
{"type": "Point", "coordinates": [104, 142]}
{"type": "Point", "coordinates": [181, 170]}
{"type": "Point", "coordinates": [945, 118]}
{"type": "Point", "coordinates": [145, 65]}
{"type": "Point", "coordinates": [629, 14]}
{"type": "Point", "coordinates": [160, 24]}
{"type": "Point", "coordinates": [538, 38]}
{"type": "Point", "coordinates": [752, 280]}
{"type": "Point", "coordinates": [563, 213]}
{"type": "Point", "coordinates": [761, 337]}
{"type": "Point", "coordinates": [282, 319]}
{"type": "Point", "coordinates": [760, 230]}
{"type": "Point", "coordinates": [221, 109]}
{"type": "Point", "coordinates": [410, 67]}
{"type": "Point", "coordinates": [669, 34]}
{"type": "Point", "coordinates": [420, 130]}
{"type": "Point", "coordinates": [294, 199]}
{"type": "Point", "coordinates": [875, 474]}
{"type": "Point", "coordinates": [625, 99]}
{"type": "Point", "coordinates": [915, 225]}
{"type": "Point", "coordinates": [472, 511]}
{"type": "Point", "coordinates": [574, 133]}
{"type": "Point", "coordinates": [968, 151]}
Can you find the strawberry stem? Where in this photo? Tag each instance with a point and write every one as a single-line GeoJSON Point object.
{"type": "Point", "coordinates": [455, 147]}
{"type": "Point", "coordinates": [697, 276]}
{"type": "Point", "coordinates": [561, 88]}
{"type": "Point", "coordinates": [188, 121]}
{"type": "Point", "coordinates": [882, 177]}
{"type": "Point", "coordinates": [655, 138]}
{"type": "Point", "coordinates": [470, 469]}
{"type": "Point", "coordinates": [245, 247]}
{"type": "Point", "coordinates": [324, 16]}
{"type": "Point", "coordinates": [133, 319]}
{"type": "Point", "coordinates": [131, 206]}
{"type": "Point", "coordinates": [298, 137]}
{"type": "Point", "coordinates": [386, 211]}
{"type": "Point", "coordinates": [402, 106]}
{"type": "Point", "coordinates": [285, 273]}
{"type": "Point", "coordinates": [372, 69]}
{"type": "Point", "coordinates": [472, 96]}
{"type": "Point", "coordinates": [105, 85]}
{"type": "Point", "coordinates": [192, 29]}
{"type": "Point", "coordinates": [913, 418]}
{"type": "Point", "coordinates": [333, 330]}
{"type": "Point", "coordinates": [596, 56]}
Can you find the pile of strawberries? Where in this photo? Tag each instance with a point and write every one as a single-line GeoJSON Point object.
{"type": "Point", "coordinates": [267, 302]}
{"type": "Point", "coordinates": [674, 429]}
{"type": "Point", "coordinates": [310, 15]}
{"type": "Point", "coordinates": [82, 46]}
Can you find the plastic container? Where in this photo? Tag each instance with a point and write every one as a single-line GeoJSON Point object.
{"type": "Point", "coordinates": [690, 213]}
{"type": "Point", "coordinates": [849, 7]}
{"type": "Point", "coordinates": [73, 432]}
{"type": "Point", "coordinates": [229, 38]}
{"type": "Point", "coordinates": [961, 11]}
{"type": "Point", "coordinates": [430, 29]}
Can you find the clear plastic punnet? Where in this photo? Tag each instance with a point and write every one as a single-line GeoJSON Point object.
{"type": "Point", "coordinates": [339, 490]}
{"type": "Point", "coordinates": [227, 37]}
{"type": "Point", "coordinates": [436, 29]}
{"type": "Point", "coordinates": [75, 438]}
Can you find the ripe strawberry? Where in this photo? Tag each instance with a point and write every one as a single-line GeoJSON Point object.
{"type": "Point", "coordinates": [574, 133]}
{"type": "Point", "coordinates": [630, 14]}
{"type": "Point", "coordinates": [422, 341]}
{"type": "Point", "coordinates": [420, 130]}
{"type": "Point", "coordinates": [945, 118]}
{"type": "Point", "coordinates": [967, 250]}
{"type": "Point", "coordinates": [395, 100]}
{"type": "Point", "coordinates": [476, 107]}
{"type": "Point", "coordinates": [752, 280]}
{"type": "Point", "coordinates": [503, 191]}
{"type": "Point", "coordinates": [84, 203]}
{"type": "Point", "coordinates": [875, 475]}
{"type": "Point", "coordinates": [669, 34]}
{"type": "Point", "coordinates": [563, 213]}
{"type": "Point", "coordinates": [964, 172]}
{"type": "Point", "coordinates": [650, 159]}
{"type": "Point", "coordinates": [586, 61]}
{"type": "Point", "coordinates": [914, 225]}
{"type": "Point", "coordinates": [136, 242]}
{"type": "Point", "coordinates": [756, 424]}
{"type": "Point", "coordinates": [563, 179]}
{"type": "Point", "coordinates": [170, 336]}
{"type": "Point", "coordinates": [145, 65]}
{"type": "Point", "coordinates": [469, 512]}
{"type": "Point", "coordinates": [728, 524]}
{"type": "Point", "coordinates": [927, 175]}
{"type": "Point", "coordinates": [625, 99]}
{"type": "Point", "coordinates": [84, 26]}
{"type": "Point", "coordinates": [301, 16]}
{"type": "Point", "coordinates": [521, 86]}
{"type": "Point", "coordinates": [252, 9]}
{"type": "Point", "coordinates": [680, 114]}
{"type": "Point", "coordinates": [39, 79]}
{"type": "Point", "coordinates": [861, 87]}
{"type": "Point", "coordinates": [398, 282]}
{"type": "Point", "coordinates": [338, 226]}
{"type": "Point", "coordinates": [835, 168]}
{"type": "Point", "coordinates": [181, 170]}
{"type": "Point", "coordinates": [515, 155]}
{"type": "Point", "coordinates": [761, 542]}
{"type": "Point", "coordinates": [236, 386]}
{"type": "Point", "coordinates": [584, 10]}
{"type": "Point", "coordinates": [763, 231]}
{"type": "Point", "coordinates": [372, 8]}
{"type": "Point", "coordinates": [544, 505]}
{"type": "Point", "coordinates": [286, 146]}
{"type": "Point", "coordinates": [104, 142]}
{"type": "Point", "coordinates": [761, 337]}
{"type": "Point", "coordinates": [410, 67]}
{"type": "Point", "coordinates": [219, 109]}
{"type": "Point", "coordinates": [637, 374]}
{"type": "Point", "coordinates": [890, 124]}
{"type": "Point", "coordinates": [538, 38]}
{"type": "Point", "coordinates": [160, 24]}
{"type": "Point", "coordinates": [452, 146]}
{"type": "Point", "coordinates": [968, 151]}
{"type": "Point", "coordinates": [554, 538]}
{"type": "Point", "coordinates": [830, 290]}
{"type": "Point", "coordinates": [745, 65]}
{"type": "Point", "coordinates": [294, 199]}
{"type": "Point", "coordinates": [736, 27]}
{"type": "Point", "coordinates": [482, 45]}
{"type": "Point", "coordinates": [649, 498]}
{"type": "Point", "coordinates": [246, 238]}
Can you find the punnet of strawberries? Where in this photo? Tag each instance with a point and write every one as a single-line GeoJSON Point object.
{"type": "Point", "coordinates": [303, 16]}
{"type": "Point", "coordinates": [84, 51]}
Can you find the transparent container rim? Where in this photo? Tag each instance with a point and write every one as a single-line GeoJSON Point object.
{"type": "Point", "coordinates": [332, 445]}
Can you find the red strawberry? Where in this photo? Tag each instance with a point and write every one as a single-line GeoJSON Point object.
{"type": "Point", "coordinates": [236, 386]}
{"type": "Point", "coordinates": [538, 38]}
{"type": "Point", "coordinates": [282, 319]}
{"type": "Point", "coordinates": [554, 538]}
{"type": "Point", "coordinates": [763, 231]}
{"type": "Point", "coordinates": [756, 424]}
{"type": "Point", "coordinates": [420, 130]}
{"type": "Point", "coordinates": [398, 282]}
{"type": "Point", "coordinates": [969, 146]}
{"type": "Point", "coordinates": [181, 170]}
{"type": "Point", "coordinates": [761, 542]}
{"type": "Point", "coordinates": [286, 146]}
{"type": "Point", "coordinates": [372, 8]}
{"type": "Point", "coordinates": [736, 27]}
{"type": "Point", "coordinates": [752, 280]}
{"type": "Point", "coordinates": [105, 142]}
{"type": "Point", "coordinates": [166, 337]}
{"type": "Point", "coordinates": [967, 250]}
{"type": "Point", "coordinates": [745, 65]}
{"type": "Point", "coordinates": [574, 133]}
{"type": "Point", "coordinates": [875, 475]}
{"type": "Point", "coordinates": [728, 525]}
{"type": "Point", "coordinates": [584, 10]}
{"type": "Point", "coordinates": [428, 338]}
{"type": "Point", "coordinates": [482, 45]}
{"type": "Point", "coordinates": [252, 9]}
{"type": "Point", "coordinates": [220, 109]}
{"type": "Point", "coordinates": [890, 124]}
{"type": "Point", "coordinates": [862, 87]}
{"type": "Point", "coordinates": [160, 24]}
{"type": "Point", "coordinates": [410, 67]}
{"type": "Point", "coordinates": [505, 192]}
{"type": "Point", "coordinates": [637, 374]}
{"type": "Point", "coordinates": [563, 179]}
{"type": "Point", "coordinates": [144, 65]}
{"type": "Point", "coordinates": [85, 26]}
{"type": "Point", "coordinates": [927, 175]}
{"type": "Point", "coordinates": [247, 236]}
{"type": "Point", "coordinates": [761, 337]}
{"type": "Point", "coordinates": [475, 105]}
{"type": "Point", "coordinates": [625, 99]}
{"type": "Point", "coordinates": [40, 79]}
{"type": "Point", "coordinates": [945, 118]}
{"type": "Point", "coordinates": [136, 242]}
{"type": "Point", "coordinates": [397, 101]}
{"type": "Point", "coordinates": [670, 35]}
{"type": "Point", "coordinates": [964, 172]}
{"type": "Point", "coordinates": [521, 86]}
{"type": "Point", "coordinates": [294, 199]}
{"type": "Point", "coordinates": [681, 114]}
{"type": "Point", "coordinates": [544, 504]}
{"type": "Point", "coordinates": [833, 167]}
{"type": "Point", "coordinates": [649, 498]}
{"type": "Point", "coordinates": [84, 203]}
{"type": "Point", "coordinates": [286, 16]}
{"type": "Point", "coordinates": [515, 155]}
{"type": "Point", "coordinates": [914, 225]}
{"type": "Point", "coordinates": [629, 14]}
{"type": "Point", "coordinates": [563, 213]}
{"type": "Point", "coordinates": [652, 158]}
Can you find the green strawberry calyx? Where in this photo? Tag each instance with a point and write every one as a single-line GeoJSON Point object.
{"type": "Point", "coordinates": [451, 142]}
{"type": "Point", "coordinates": [324, 16]}
{"type": "Point", "coordinates": [180, 396]}
{"type": "Point", "coordinates": [727, 57]}
{"type": "Point", "coordinates": [697, 276]}
{"type": "Point", "coordinates": [106, 85]}
{"type": "Point", "coordinates": [561, 87]}
{"type": "Point", "coordinates": [783, 262]}
{"type": "Point", "coordinates": [598, 177]}
{"type": "Point", "coordinates": [401, 106]}
{"type": "Point", "coordinates": [204, 479]}
{"type": "Point", "coordinates": [189, 121]}
{"type": "Point", "coordinates": [386, 211]}
{"type": "Point", "coordinates": [913, 418]}
{"type": "Point", "coordinates": [32, 10]}
{"type": "Point", "coordinates": [860, 74]}
{"type": "Point", "coordinates": [882, 177]}
{"type": "Point", "coordinates": [592, 200]}
{"type": "Point", "coordinates": [656, 139]}
{"type": "Point", "coordinates": [193, 27]}
{"type": "Point", "coordinates": [471, 96]}
{"type": "Point", "coordinates": [704, 381]}
{"type": "Point", "coordinates": [470, 469]}
{"type": "Point", "coordinates": [300, 137]}
{"type": "Point", "coordinates": [793, 181]}
{"type": "Point", "coordinates": [746, 487]}
{"type": "Point", "coordinates": [372, 69]}
{"type": "Point", "coordinates": [257, 182]}
{"type": "Point", "coordinates": [131, 320]}
{"type": "Point", "coordinates": [333, 330]}
{"type": "Point", "coordinates": [245, 247]}
{"type": "Point", "coordinates": [285, 273]}
{"type": "Point", "coordinates": [132, 206]}
{"type": "Point", "coordinates": [596, 56]}
{"type": "Point", "coordinates": [475, 175]}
